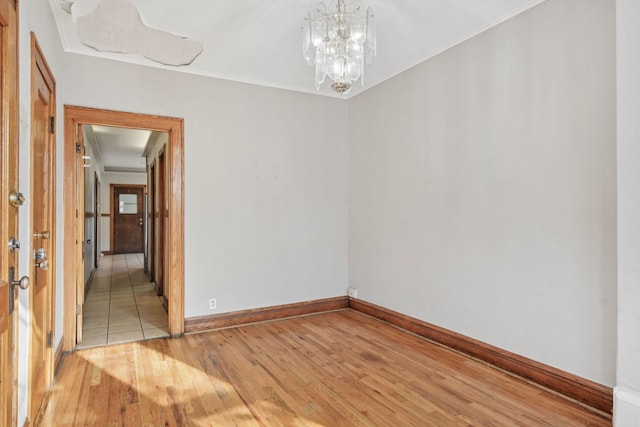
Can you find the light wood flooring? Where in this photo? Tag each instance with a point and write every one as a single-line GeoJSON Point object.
{"type": "Point", "coordinates": [340, 368]}
{"type": "Point", "coordinates": [122, 304]}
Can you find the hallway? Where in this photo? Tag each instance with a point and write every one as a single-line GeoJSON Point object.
{"type": "Point", "coordinates": [121, 304]}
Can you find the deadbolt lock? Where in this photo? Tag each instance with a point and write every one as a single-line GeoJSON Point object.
{"type": "Point", "coordinates": [13, 244]}
{"type": "Point", "coordinates": [16, 198]}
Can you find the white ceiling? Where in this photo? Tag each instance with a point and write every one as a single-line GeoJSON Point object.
{"type": "Point", "coordinates": [117, 149]}
{"type": "Point", "coordinates": [258, 41]}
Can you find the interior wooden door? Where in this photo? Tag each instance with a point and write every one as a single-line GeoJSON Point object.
{"type": "Point", "coordinates": [42, 229]}
{"type": "Point", "coordinates": [128, 219]}
{"type": "Point", "coordinates": [151, 221]}
{"type": "Point", "coordinates": [96, 219]}
{"type": "Point", "coordinates": [160, 223]}
{"type": "Point", "coordinates": [77, 230]}
{"type": "Point", "coordinates": [8, 212]}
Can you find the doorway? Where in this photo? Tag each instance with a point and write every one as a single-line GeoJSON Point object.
{"type": "Point", "coordinates": [75, 117]}
{"type": "Point", "coordinates": [120, 302]}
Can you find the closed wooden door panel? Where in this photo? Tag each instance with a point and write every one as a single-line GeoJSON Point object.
{"type": "Point", "coordinates": [160, 209]}
{"type": "Point", "coordinates": [128, 219]}
{"type": "Point", "coordinates": [43, 232]}
{"type": "Point", "coordinates": [8, 214]}
{"type": "Point", "coordinates": [151, 221]}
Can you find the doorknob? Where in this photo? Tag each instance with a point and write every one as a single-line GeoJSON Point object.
{"type": "Point", "coordinates": [41, 235]}
{"type": "Point", "coordinates": [22, 283]}
{"type": "Point", "coordinates": [40, 256]}
{"type": "Point", "coordinates": [43, 265]}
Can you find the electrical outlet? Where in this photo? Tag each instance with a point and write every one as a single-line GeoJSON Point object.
{"type": "Point", "coordinates": [212, 304]}
{"type": "Point", "coordinates": [352, 292]}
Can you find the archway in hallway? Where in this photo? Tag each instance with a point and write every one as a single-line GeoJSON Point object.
{"type": "Point", "coordinates": [74, 118]}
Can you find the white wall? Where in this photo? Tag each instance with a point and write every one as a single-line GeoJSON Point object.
{"type": "Point", "coordinates": [627, 392]}
{"type": "Point", "coordinates": [482, 188]}
{"type": "Point", "coordinates": [109, 178]}
{"type": "Point", "coordinates": [265, 181]}
{"type": "Point", "coordinates": [157, 141]}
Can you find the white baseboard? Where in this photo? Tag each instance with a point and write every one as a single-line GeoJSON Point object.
{"type": "Point", "coordinates": [626, 407]}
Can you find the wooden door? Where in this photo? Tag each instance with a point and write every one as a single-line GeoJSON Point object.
{"type": "Point", "coordinates": [96, 218]}
{"type": "Point", "coordinates": [151, 220]}
{"type": "Point", "coordinates": [42, 229]}
{"type": "Point", "coordinates": [78, 229]}
{"type": "Point", "coordinates": [8, 212]}
{"type": "Point", "coordinates": [159, 210]}
{"type": "Point", "coordinates": [128, 219]}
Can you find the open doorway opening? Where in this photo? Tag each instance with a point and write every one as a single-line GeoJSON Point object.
{"type": "Point", "coordinates": [168, 219]}
{"type": "Point", "coordinates": [121, 301]}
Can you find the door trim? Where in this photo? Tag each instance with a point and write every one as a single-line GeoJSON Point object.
{"type": "Point", "coordinates": [75, 116]}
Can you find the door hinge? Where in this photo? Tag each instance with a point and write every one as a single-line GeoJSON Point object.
{"type": "Point", "coordinates": [78, 310]}
{"type": "Point", "coordinates": [78, 147]}
{"type": "Point", "coordinates": [52, 124]}
{"type": "Point", "coordinates": [50, 339]}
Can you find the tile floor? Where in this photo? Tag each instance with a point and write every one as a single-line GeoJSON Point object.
{"type": "Point", "coordinates": [121, 304]}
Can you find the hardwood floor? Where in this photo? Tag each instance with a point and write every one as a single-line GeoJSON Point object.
{"type": "Point", "coordinates": [334, 369]}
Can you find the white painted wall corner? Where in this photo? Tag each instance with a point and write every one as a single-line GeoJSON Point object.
{"type": "Point", "coordinates": [626, 407]}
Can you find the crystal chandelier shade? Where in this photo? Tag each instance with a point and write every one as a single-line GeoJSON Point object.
{"type": "Point", "coordinates": [339, 42]}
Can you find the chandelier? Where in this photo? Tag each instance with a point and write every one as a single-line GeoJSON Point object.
{"type": "Point", "coordinates": [339, 41]}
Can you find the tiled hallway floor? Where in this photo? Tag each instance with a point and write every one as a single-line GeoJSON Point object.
{"type": "Point", "coordinates": [121, 304]}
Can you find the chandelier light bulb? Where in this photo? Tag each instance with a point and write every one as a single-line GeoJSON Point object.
{"type": "Point", "coordinates": [339, 40]}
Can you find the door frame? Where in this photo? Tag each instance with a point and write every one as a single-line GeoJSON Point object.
{"type": "Point", "coordinates": [113, 210]}
{"type": "Point", "coordinates": [74, 117]}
